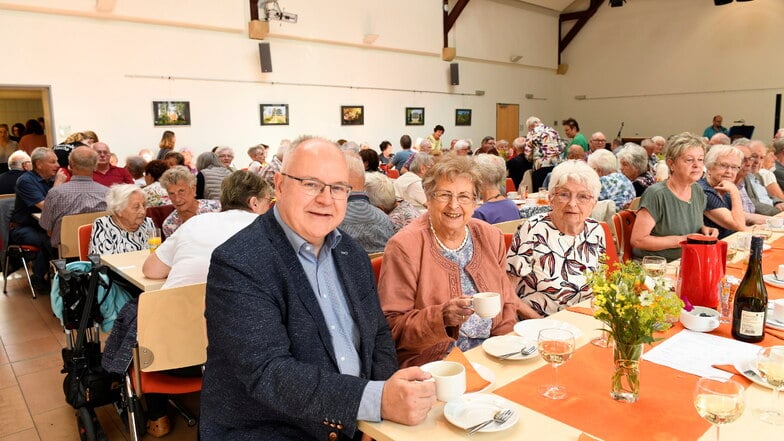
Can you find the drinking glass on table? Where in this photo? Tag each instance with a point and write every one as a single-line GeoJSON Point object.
{"type": "Point", "coordinates": [654, 266]}
{"type": "Point", "coordinates": [556, 346]}
{"type": "Point", "coordinates": [719, 401]}
{"type": "Point", "coordinates": [541, 198]}
{"type": "Point", "coordinates": [153, 238]}
{"type": "Point", "coordinates": [602, 340]}
{"type": "Point", "coordinates": [770, 363]}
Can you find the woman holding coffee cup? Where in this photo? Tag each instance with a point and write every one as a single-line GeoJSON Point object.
{"type": "Point", "coordinates": [438, 271]}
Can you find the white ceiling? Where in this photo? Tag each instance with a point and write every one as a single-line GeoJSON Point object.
{"type": "Point", "coordinates": [555, 5]}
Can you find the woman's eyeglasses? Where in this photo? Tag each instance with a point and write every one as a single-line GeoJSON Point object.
{"type": "Point", "coordinates": [565, 197]}
{"type": "Point", "coordinates": [446, 197]}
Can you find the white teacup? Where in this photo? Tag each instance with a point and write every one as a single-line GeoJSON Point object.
{"type": "Point", "coordinates": [487, 304]}
{"type": "Point", "coordinates": [516, 195]}
{"type": "Point", "coordinates": [780, 273]}
{"type": "Point", "coordinates": [775, 222]}
{"type": "Point", "coordinates": [450, 379]}
{"type": "Point", "coordinates": [778, 309]}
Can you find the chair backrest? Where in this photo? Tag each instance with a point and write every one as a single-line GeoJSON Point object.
{"type": "Point", "coordinates": [8, 196]}
{"type": "Point", "coordinates": [635, 204]}
{"type": "Point", "coordinates": [6, 208]}
{"type": "Point", "coordinates": [393, 174]}
{"type": "Point", "coordinates": [624, 223]}
{"type": "Point", "coordinates": [510, 185]}
{"type": "Point", "coordinates": [611, 251]}
{"type": "Point", "coordinates": [376, 263]}
{"type": "Point", "coordinates": [527, 182]}
{"type": "Point", "coordinates": [508, 240]}
{"type": "Point", "coordinates": [171, 330]}
{"type": "Point", "coordinates": [508, 226]}
{"type": "Point", "coordinates": [159, 214]}
{"type": "Point", "coordinates": [69, 231]}
{"type": "Point", "coordinates": [84, 233]}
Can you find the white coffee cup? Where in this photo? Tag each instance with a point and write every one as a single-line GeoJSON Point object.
{"type": "Point", "coordinates": [516, 195]}
{"type": "Point", "coordinates": [778, 309]}
{"type": "Point", "coordinates": [780, 273]}
{"type": "Point", "coordinates": [450, 379]}
{"type": "Point", "coordinates": [775, 222]}
{"type": "Point", "coordinates": [487, 304]}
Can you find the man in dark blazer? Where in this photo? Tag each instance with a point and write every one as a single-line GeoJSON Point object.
{"type": "Point", "coordinates": [298, 345]}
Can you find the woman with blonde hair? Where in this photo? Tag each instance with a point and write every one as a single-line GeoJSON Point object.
{"type": "Point", "coordinates": [168, 139]}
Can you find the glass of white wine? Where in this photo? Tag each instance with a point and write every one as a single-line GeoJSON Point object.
{"type": "Point", "coordinates": [770, 363]}
{"type": "Point", "coordinates": [556, 346]}
{"type": "Point", "coordinates": [719, 401]}
{"type": "Point", "coordinates": [654, 266]}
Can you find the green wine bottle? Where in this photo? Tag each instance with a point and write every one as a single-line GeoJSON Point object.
{"type": "Point", "coordinates": [751, 299]}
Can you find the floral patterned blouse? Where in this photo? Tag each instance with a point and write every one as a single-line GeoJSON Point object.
{"type": "Point", "coordinates": [619, 188]}
{"type": "Point", "coordinates": [173, 221]}
{"type": "Point", "coordinates": [543, 146]}
{"type": "Point", "coordinates": [403, 214]}
{"type": "Point", "coordinates": [550, 264]}
{"type": "Point", "coordinates": [155, 195]}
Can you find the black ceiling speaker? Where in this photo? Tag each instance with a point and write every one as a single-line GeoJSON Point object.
{"type": "Point", "coordinates": [721, 2]}
{"type": "Point", "coordinates": [454, 74]}
{"type": "Point", "coordinates": [265, 57]}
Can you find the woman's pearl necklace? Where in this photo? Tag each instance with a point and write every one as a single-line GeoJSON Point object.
{"type": "Point", "coordinates": [441, 244]}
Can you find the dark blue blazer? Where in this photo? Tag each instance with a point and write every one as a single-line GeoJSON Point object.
{"type": "Point", "coordinates": [271, 372]}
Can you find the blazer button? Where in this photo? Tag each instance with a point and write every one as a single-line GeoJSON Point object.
{"type": "Point", "coordinates": [340, 427]}
{"type": "Point", "coordinates": [333, 436]}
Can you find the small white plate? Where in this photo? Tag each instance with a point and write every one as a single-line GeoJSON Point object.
{"type": "Point", "coordinates": [472, 409]}
{"type": "Point", "coordinates": [504, 344]}
{"type": "Point", "coordinates": [486, 374]}
{"type": "Point", "coordinates": [770, 321]}
{"type": "Point", "coordinates": [530, 328]}
{"type": "Point", "coordinates": [742, 366]}
{"type": "Point", "coordinates": [770, 279]}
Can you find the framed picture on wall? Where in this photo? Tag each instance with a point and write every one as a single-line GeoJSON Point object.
{"type": "Point", "coordinates": [352, 115]}
{"type": "Point", "coordinates": [415, 116]}
{"type": "Point", "coordinates": [462, 117]}
{"type": "Point", "coordinates": [171, 113]}
{"type": "Point", "coordinates": [274, 114]}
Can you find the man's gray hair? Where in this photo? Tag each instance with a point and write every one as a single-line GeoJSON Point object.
{"type": "Point", "coordinates": [39, 154]}
{"type": "Point", "coordinates": [742, 141]}
{"type": "Point", "coordinates": [420, 160]}
{"type": "Point", "coordinates": [462, 144]}
{"type": "Point", "coordinates": [17, 159]}
{"type": "Point", "coordinates": [532, 121]}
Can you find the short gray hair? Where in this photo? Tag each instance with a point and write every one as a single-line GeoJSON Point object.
{"type": "Point", "coordinates": [532, 121]}
{"type": "Point", "coordinates": [39, 154]}
{"type": "Point", "coordinates": [635, 156]}
{"type": "Point", "coordinates": [462, 144]}
{"type": "Point", "coordinates": [118, 196]}
{"type": "Point", "coordinates": [604, 160]}
{"type": "Point", "coordinates": [207, 160]}
{"type": "Point", "coordinates": [493, 170]}
{"type": "Point", "coordinates": [17, 159]}
{"type": "Point", "coordinates": [420, 160]}
{"type": "Point", "coordinates": [356, 168]}
{"type": "Point", "coordinates": [742, 141]}
{"type": "Point", "coordinates": [576, 171]}
{"type": "Point", "coordinates": [380, 191]}
{"type": "Point", "coordinates": [677, 144]}
{"type": "Point", "coordinates": [721, 150]}
{"type": "Point", "coordinates": [175, 175]}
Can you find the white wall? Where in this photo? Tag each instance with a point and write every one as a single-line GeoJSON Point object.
{"type": "Point", "coordinates": [666, 66]}
{"type": "Point", "coordinates": [104, 74]}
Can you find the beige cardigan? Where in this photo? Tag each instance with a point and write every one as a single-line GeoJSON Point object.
{"type": "Point", "coordinates": [416, 280]}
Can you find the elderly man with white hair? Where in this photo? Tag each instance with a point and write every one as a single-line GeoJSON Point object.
{"type": "Point", "coordinates": [16, 167]}
{"type": "Point", "coordinates": [615, 185]}
{"type": "Point", "coordinates": [408, 187]}
{"type": "Point", "coordinates": [462, 147]}
{"type": "Point", "coordinates": [543, 148]}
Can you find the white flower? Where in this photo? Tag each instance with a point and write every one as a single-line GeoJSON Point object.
{"type": "Point", "coordinates": [646, 298]}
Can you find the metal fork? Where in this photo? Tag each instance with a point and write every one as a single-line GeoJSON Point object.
{"type": "Point", "coordinates": [756, 376]}
{"type": "Point", "coordinates": [500, 417]}
{"type": "Point", "coordinates": [528, 350]}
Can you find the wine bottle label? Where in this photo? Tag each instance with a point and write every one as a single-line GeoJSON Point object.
{"type": "Point", "coordinates": [751, 323]}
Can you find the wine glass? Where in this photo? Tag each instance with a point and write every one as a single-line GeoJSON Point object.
{"type": "Point", "coordinates": [602, 340]}
{"type": "Point", "coordinates": [556, 346]}
{"type": "Point", "coordinates": [770, 363]}
{"type": "Point", "coordinates": [719, 401]}
{"type": "Point", "coordinates": [654, 266]}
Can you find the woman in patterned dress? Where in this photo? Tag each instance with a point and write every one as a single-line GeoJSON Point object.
{"type": "Point", "coordinates": [551, 251]}
{"type": "Point", "coordinates": [127, 227]}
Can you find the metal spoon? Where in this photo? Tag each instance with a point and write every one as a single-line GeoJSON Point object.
{"type": "Point", "coordinates": [500, 417]}
{"type": "Point", "coordinates": [525, 351]}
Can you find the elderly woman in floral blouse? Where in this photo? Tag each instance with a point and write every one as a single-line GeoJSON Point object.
{"type": "Point", "coordinates": [551, 251]}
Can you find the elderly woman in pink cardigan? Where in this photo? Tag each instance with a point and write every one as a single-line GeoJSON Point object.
{"type": "Point", "coordinates": [434, 265]}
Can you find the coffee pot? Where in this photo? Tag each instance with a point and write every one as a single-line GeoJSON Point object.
{"type": "Point", "coordinates": [703, 264]}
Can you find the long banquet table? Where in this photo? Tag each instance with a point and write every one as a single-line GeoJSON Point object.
{"type": "Point", "coordinates": [129, 267]}
{"type": "Point", "coordinates": [534, 425]}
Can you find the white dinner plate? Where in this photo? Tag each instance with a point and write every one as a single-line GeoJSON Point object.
{"type": "Point", "coordinates": [530, 328]}
{"type": "Point", "coordinates": [770, 279]}
{"type": "Point", "coordinates": [504, 344]}
{"type": "Point", "coordinates": [472, 409]}
{"type": "Point", "coordinates": [770, 321]}
{"type": "Point", "coordinates": [485, 373]}
{"type": "Point", "coordinates": [742, 366]}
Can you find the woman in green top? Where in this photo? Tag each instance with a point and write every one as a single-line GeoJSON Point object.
{"type": "Point", "coordinates": [671, 209]}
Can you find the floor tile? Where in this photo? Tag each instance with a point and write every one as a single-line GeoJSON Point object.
{"type": "Point", "coordinates": [3, 356]}
{"type": "Point", "coordinates": [43, 391]}
{"type": "Point", "coordinates": [25, 435]}
{"type": "Point", "coordinates": [51, 362]}
{"type": "Point", "coordinates": [33, 348]}
{"type": "Point", "coordinates": [57, 424]}
{"type": "Point", "coordinates": [7, 377]}
{"type": "Point", "coordinates": [14, 416]}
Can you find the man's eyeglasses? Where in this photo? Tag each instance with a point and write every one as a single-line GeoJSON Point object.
{"type": "Point", "coordinates": [446, 197]}
{"type": "Point", "coordinates": [565, 197]}
{"type": "Point", "coordinates": [725, 167]}
{"type": "Point", "coordinates": [314, 187]}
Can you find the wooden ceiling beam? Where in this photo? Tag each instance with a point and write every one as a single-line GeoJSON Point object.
{"type": "Point", "coordinates": [450, 17]}
{"type": "Point", "coordinates": [582, 18]}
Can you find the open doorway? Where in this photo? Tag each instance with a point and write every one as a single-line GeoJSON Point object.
{"type": "Point", "coordinates": [18, 103]}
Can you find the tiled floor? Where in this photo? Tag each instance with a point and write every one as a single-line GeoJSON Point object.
{"type": "Point", "coordinates": [32, 404]}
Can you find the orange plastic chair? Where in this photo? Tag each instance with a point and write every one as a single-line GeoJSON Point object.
{"type": "Point", "coordinates": [85, 231]}
{"type": "Point", "coordinates": [393, 174]}
{"type": "Point", "coordinates": [376, 263]}
{"type": "Point", "coordinates": [624, 223]}
{"type": "Point", "coordinates": [508, 240]}
{"type": "Point", "coordinates": [510, 187]}
{"type": "Point", "coordinates": [611, 251]}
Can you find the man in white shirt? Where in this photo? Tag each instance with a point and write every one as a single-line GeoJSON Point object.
{"type": "Point", "coordinates": [408, 187]}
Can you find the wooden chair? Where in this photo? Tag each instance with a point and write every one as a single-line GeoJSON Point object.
{"type": "Point", "coordinates": [624, 223]}
{"type": "Point", "coordinates": [508, 240]}
{"type": "Point", "coordinates": [171, 334]}
{"type": "Point", "coordinates": [85, 232]}
{"type": "Point", "coordinates": [634, 205]}
{"type": "Point", "coordinates": [69, 232]}
{"type": "Point", "coordinates": [508, 226]}
{"type": "Point", "coordinates": [611, 251]}
{"type": "Point", "coordinates": [159, 214]}
{"type": "Point", "coordinates": [510, 186]}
